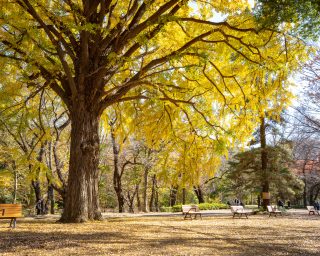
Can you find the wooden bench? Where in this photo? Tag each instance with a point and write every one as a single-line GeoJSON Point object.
{"type": "Point", "coordinates": [273, 210]}
{"type": "Point", "coordinates": [312, 210]}
{"type": "Point", "coordinates": [189, 210]}
{"type": "Point", "coordinates": [239, 210]}
{"type": "Point", "coordinates": [11, 211]}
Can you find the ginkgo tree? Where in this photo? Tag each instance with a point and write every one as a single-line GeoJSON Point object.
{"type": "Point", "coordinates": [172, 53]}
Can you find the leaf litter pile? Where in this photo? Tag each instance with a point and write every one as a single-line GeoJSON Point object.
{"type": "Point", "coordinates": [214, 235]}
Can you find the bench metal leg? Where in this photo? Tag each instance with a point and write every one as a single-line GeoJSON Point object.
{"type": "Point", "coordinates": [13, 223]}
{"type": "Point", "coordinates": [188, 215]}
{"type": "Point", "coordinates": [195, 216]}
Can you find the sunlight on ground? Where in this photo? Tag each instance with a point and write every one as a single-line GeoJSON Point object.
{"type": "Point", "coordinates": [258, 235]}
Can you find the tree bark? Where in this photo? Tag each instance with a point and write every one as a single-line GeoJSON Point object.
{"type": "Point", "coordinates": [199, 194]}
{"type": "Point", "coordinates": [50, 200]}
{"type": "Point", "coordinates": [264, 164]}
{"type": "Point", "coordinates": [173, 195]}
{"type": "Point", "coordinates": [152, 205]}
{"type": "Point", "coordinates": [117, 174]}
{"type": "Point", "coordinates": [304, 179]}
{"type": "Point", "coordinates": [131, 199]}
{"type": "Point", "coordinates": [15, 185]}
{"type": "Point", "coordinates": [145, 190]}
{"type": "Point", "coordinates": [138, 199]}
{"type": "Point", "coordinates": [36, 183]}
{"type": "Point", "coordinates": [184, 196]}
{"type": "Point", "coordinates": [82, 201]}
{"type": "Point", "coordinates": [37, 191]}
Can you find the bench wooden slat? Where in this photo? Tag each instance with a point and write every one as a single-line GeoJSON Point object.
{"type": "Point", "coordinates": [10, 210]}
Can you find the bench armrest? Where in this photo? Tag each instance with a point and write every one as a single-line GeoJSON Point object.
{"type": "Point", "coordinates": [3, 210]}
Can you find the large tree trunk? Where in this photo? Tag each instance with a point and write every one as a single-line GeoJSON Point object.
{"type": "Point", "coordinates": [82, 201]}
{"type": "Point", "coordinates": [264, 165]}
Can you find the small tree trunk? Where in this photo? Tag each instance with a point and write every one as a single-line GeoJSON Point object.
{"type": "Point", "coordinates": [145, 190]}
{"type": "Point", "coordinates": [173, 195]}
{"type": "Point", "coordinates": [117, 175]}
{"type": "Point", "coordinates": [199, 194]}
{"type": "Point", "coordinates": [15, 184]}
{"type": "Point", "coordinates": [82, 201]}
{"type": "Point", "coordinates": [153, 194]}
{"type": "Point", "coordinates": [37, 192]}
{"type": "Point", "coordinates": [131, 200]}
{"type": "Point", "coordinates": [184, 196]}
{"type": "Point", "coordinates": [305, 194]}
{"type": "Point", "coordinates": [264, 164]}
{"type": "Point", "coordinates": [156, 202]}
{"type": "Point", "coordinates": [50, 200]}
{"type": "Point", "coordinates": [138, 198]}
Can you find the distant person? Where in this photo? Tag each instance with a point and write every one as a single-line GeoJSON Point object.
{"type": "Point", "coordinates": [316, 205]}
{"type": "Point", "coordinates": [280, 203]}
{"type": "Point", "coordinates": [289, 204]}
{"type": "Point", "coordinates": [39, 207]}
{"type": "Point", "coordinates": [259, 201]}
{"type": "Point", "coordinates": [236, 201]}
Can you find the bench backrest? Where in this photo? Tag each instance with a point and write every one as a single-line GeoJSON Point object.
{"type": "Point", "coordinates": [235, 208]}
{"type": "Point", "coordinates": [10, 210]}
{"type": "Point", "coordinates": [310, 208]}
{"type": "Point", "coordinates": [270, 208]}
{"type": "Point", "coordinates": [187, 208]}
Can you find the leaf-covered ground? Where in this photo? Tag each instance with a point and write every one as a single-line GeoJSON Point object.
{"type": "Point", "coordinates": [296, 234]}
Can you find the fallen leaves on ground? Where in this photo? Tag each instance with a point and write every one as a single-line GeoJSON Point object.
{"type": "Point", "coordinates": [214, 235]}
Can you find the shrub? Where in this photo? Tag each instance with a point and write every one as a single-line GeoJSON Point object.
{"type": "Point", "coordinates": [203, 206]}
{"type": "Point", "coordinates": [165, 209]}
{"type": "Point", "coordinates": [212, 206]}
{"type": "Point", "coordinates": [177, 208]}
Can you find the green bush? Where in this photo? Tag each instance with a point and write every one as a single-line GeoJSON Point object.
{"type": "Point", "coordinates": [203, 206]}
{"type": "Point", "coordinates": [165, 209]}
{"type": "Point", "coordinates": [177, 208]}
{"type": "Point", "coordinates": [212, 206]}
